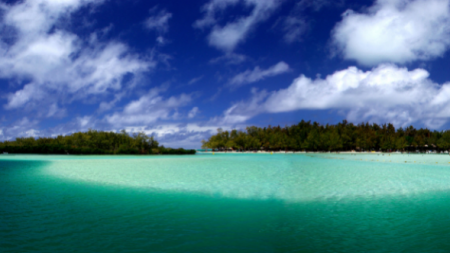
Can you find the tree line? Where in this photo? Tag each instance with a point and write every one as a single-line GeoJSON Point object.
{"type": "Point", "coordinates": [344, 136]}
{"type": "Point", "coordinates": [90, 143]}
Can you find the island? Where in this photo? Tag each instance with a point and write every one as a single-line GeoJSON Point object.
{"type": "Point", "coordinates": [92, 142]}
{"type": "Point", "coordinates": [344, 136]}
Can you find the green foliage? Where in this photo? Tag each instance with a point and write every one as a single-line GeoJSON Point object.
{"type": "Point", "coordinates": [343, 136]}
{"type": "Point", "coordinates": [90, 143]}
{"type": "Point", "coordinates": [179, 151]}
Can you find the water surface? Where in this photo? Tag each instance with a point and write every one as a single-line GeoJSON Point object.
{"type": "Point", "coordinates": [225, 203]}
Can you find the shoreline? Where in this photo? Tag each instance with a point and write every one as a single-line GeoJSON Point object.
{"type": "Point", "coordinates": [312, 152]}
{"type": "Point", "coordinates": [290, 152]}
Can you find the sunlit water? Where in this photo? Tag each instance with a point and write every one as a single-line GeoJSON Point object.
{"type": "Point", "coordinates": [225, 203]}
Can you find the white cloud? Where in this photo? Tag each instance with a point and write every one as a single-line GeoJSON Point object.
{"type": "Point", "coordinates": [192, 113]}
{"type": "Point", "coordinates": [106, 106]}
{"type": "Point", "coordinates": [159, 21]}
{"type": "Point", "coordinates": [59, 64]}
{"type": "Point", "coordinates": [183, 135]}
{"type": "Point", "coordinates": [148, 109]}
{"type": "Point", "coordinates": [257, 74]}
{"type": "Point", "coordinates": [23, 96]}
{"type": "Point", "coordinates": [210, 10]}
{"type": "Point", "coordinates": [385, 94]}
{"type": "Point", "coordinates": [32, 133]}
{"type": "Point", "coordinates": [38, 16]}
{"type": "Point", "coordinates": [161, 40]}
{"type": "Point", "coordinates": [20, 128]}
{"type": "Point", "coordinates": [83, 122]}
{"type": "Point", "coordinates": [242, 111]}
{"type": "Point", "coordinates": [398, 31]}
{"type": "Point", "coordinates": [227, 37]}
{"type": "Point", "coordinates": [171, 129]}
{"type": "Point", "coordinates": [55, 111]}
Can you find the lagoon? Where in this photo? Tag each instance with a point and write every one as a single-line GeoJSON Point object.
{"type": "Point", "coordinates": [225, 203]}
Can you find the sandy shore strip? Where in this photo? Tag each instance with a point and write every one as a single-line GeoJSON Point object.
{"type": "Point", "coordinates": [291, 152]}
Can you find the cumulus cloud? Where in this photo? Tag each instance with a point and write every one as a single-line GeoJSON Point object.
{"type": "Point", "coordinates": [385, 93]}
{"type": "Point", "coordinates": [397, 31]}
{"type": "Point", "coordinates": [257, 74]}
{"type": "Point", "coordinates": [227, 37]}
{"type": "Point", "coordinates": [148, 109]}
{"type": "Point", "coordinates": [59, 64]}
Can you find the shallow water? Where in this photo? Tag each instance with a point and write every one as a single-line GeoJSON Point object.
{"type": "Point", "coordinates": [225, 203]}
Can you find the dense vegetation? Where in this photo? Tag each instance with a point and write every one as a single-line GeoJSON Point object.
{"type": "Point", "coordinates": [89, 143]}
{"type": "Point", "coordinates": [343, 136]}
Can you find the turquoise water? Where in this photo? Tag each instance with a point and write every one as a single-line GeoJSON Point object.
{"type": "Point", "coordinates": [225, 203]}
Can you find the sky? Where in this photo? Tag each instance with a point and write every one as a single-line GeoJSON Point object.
{"type": "Point", "coordinates": [179, 70]}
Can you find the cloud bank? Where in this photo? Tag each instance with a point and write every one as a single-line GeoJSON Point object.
{"type": "Point", "coordinates": [386, 93]}
{"type": "Point", "coordinates": [397, 31]}
{"type": "Point", "coordinates": [148, 109]}
{"type": "Point", "coordinates": [58, 65]}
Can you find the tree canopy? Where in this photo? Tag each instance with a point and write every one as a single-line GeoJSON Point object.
{"type": "Point", "coordinates": [90, 142]}
{"type": "Point", "coordinates": [340, 137]}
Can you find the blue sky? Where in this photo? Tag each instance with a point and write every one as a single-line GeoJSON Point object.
{"type": "Point", "coordinates": [181, 69]}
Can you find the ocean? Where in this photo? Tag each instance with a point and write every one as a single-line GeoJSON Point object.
{"type": "Point", "coordinates": [225, 203]}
